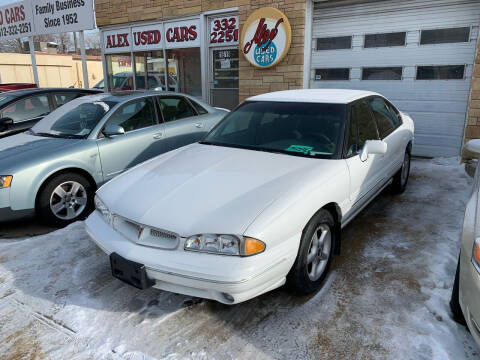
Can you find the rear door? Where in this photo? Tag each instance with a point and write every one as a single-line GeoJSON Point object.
{"type": "Point", "coordinates": [27, 111]}
{"type": "Point", "coordinates": [183, 125]}
{"type": "Point", "coordinates": [365, 176]}
{"type": "Point", "coordinates": [142, 139]}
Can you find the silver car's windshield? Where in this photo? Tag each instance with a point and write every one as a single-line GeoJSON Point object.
{"type": "Point", "coordinates": [75, 119]}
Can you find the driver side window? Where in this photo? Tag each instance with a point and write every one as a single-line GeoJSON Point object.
{"type": "Point", "coordinates": [362, 128]}
{"type": "Point", "coordinates": [135, 115]}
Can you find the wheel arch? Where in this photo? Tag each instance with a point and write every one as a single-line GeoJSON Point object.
{"type": "Point", "coordinates": [75, 170]}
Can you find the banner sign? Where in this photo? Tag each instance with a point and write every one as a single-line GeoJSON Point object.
{"type": "Point", "coordinates": [58, 16]}
{"type": "Point", "coordinates": [118, 40]}
{"type": "Point", "coordinates": [224, 30]}
{"type": "Point", "coordinates": [15, 21]}
{"type": "Point", "coordinates": [266, 37]}
{"type": "Point", "coordinates": [182, 34]}
{"type": "Point", "coordinates": [148, 37]}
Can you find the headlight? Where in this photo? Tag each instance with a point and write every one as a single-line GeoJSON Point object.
{"type": "Point", "coordinates": [224, 244]}
{"type": "Point", "coordinates": [5, 181]}
{"type": "Point", "coordinates": [100, 206]}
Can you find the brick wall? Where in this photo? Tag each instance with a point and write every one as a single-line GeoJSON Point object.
{"type": "Point", "coordinates": [288, 74]}
{"type": "Point", "coordinates": [472, 129]}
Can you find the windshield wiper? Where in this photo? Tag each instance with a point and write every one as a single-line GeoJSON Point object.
{"type": "Point", "coordinates": [61, 136]}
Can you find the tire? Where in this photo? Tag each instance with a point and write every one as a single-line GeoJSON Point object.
{"type": "Point", "coordinates": [455, 299]}
{"type": "Point", "coordinates": [400, 179]}
{"type": "Point", "coordinates": [58, 206]}
{"type": "Point", "coordinates": [303, 278]}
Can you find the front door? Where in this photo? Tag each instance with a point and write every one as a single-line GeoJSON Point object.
{"type": "Point", "coordinates": [224, 77]}
{"type": "Point", "coordinates": [141, 141]}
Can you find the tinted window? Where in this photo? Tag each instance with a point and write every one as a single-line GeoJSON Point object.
{"type": "Point", "coordinates": [175, 108]}
{"type": "Point", "coordinates": [135, 115]}
{"type": "Point", "coordinates": [334, 43]}
{"type": "Point", "coordinates": [61, 99]}
{"type": "Point", "coordinates": [198, 107]}
{"type": "Point", "coordinates": [383, 116]}
{"type": "Point", "coordinates": [443, 36]}
{"type": "Point", "coordinates": [397, 118]}
{"type": "Point", "coordinates": [28, 108]}
{"type": "Point", "coordinates": [384, 40]}
{"type": "Point", "coordinates": [303, 129]}
{"type": "Point", "coordinates": [74, 119]}
{"type": "Point", "coordinates": [444, 72]}
{"type": "Point", "coordinates": [332, 74]}
{"type": "Point", "coordinates": [367, 129]}
{"type": "Point", "coordinates": [382, 73]}
{"type": "Point", "coordinates": [352, 146]}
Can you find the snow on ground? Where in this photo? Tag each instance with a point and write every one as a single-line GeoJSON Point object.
{"type": "Point", "coordinates": [387, 296]}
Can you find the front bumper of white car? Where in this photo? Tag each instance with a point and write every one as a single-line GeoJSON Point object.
{"type": "Point", "coordinates": [227, 279]}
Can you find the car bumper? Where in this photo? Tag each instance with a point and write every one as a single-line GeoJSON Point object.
{"type": "Point", "coordinates": [227, 279]}
{"type": "Point", "coordinates": [6, 212]}
{"type": "Point", "coordinates": [469, 295]}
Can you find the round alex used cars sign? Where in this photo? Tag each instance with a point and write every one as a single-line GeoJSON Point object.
{"type": "Point", "coordinates": [266, 37]}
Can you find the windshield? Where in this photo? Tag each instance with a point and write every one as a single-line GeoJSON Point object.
{"type": "Point", "coordinates": [4, 99]}
{"type": "Point", "coordinates": [99, 85]}
{"type": "Point", "coordinates": [76, 119]}
{"type": "Point", "coordinates": [302, 129]}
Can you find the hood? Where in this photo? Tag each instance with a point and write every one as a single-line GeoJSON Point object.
{"type": "Point", "coordinates": [19, 150]}
{"type": "Point", "coordinates": [206, 188]}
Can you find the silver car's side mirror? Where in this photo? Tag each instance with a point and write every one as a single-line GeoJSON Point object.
{"type": "Point", "coordinates": [5, 123]}
{"type": "Point", "coordinates": [373, 147]}
{"type": "Point", "coordinates": [113, 130]}
{"type": "Point", "coordinates": [472, 147]}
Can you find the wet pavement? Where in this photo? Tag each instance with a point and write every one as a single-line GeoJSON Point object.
{"type": "Point", "coordinates": [386, 297]}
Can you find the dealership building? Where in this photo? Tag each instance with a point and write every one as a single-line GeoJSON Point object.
{"type": "Point", "coordinates": [421, 54]}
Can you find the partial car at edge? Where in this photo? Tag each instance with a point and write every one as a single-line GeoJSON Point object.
{"type": "Point", "coordinates": [258, 203]}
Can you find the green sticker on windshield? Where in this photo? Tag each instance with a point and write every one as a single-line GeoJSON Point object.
{"type": "Point", "coordinates": [300, 148]}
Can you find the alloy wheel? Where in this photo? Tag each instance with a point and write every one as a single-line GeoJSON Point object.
{"type": "Point", "coordinates": [319, 252]}
{"type": "Point", "coordinates": [68, 200]}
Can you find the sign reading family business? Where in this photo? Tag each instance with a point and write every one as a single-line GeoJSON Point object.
{"type": "Point", "coordinates": [266, 37]}
{"type": "Point", "coordinates": [15, 21]}
{"type": "Point", "coordinates": [57, 16]}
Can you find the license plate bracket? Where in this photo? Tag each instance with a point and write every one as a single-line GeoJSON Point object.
{"type": "Point", "coordinates": [130, 272]}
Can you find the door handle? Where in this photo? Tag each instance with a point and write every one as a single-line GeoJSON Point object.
{"type": "Point", "coordinates": [158, 136]}
{"type": "Point", "coordinates": [198, 125]}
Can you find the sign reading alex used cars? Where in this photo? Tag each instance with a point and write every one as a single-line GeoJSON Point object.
{"type": "Point", "coordinates": [57, 16]}
{"type": "Point", "coordinates": [266, 37]}
{"type": "Point", "coordinates": [15, 21]}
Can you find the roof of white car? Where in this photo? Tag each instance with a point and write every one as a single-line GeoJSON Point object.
{"type": "Point", "coordinates": [336, 96]}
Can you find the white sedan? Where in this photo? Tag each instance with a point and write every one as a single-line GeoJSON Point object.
{"type": "Point", "coordinates": [258, 203]}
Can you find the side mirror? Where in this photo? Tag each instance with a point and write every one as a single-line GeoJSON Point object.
{"type": "Point", "coordinates": [113, 130]}
{"type": "Point", "coordinates": [473, 146]}
{"type": "Point", "coordinates": [373, 147]}
{"type": "Point", "coordinates": [5, 123]}
{"type": "Point", "coordinates": [471, 149]}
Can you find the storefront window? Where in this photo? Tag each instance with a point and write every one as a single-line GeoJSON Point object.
{"type": "Point", "coordinates": [184, 71]}
{"type": "Point", "coordinates": [150, 70]}
{"type": "Point", "coordinates": [119, 72]}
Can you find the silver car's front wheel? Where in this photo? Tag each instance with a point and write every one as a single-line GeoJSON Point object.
{"type": "Point", "coordinates": [68, 200]}
{"type": "Point", "coordinates": [65, 198]}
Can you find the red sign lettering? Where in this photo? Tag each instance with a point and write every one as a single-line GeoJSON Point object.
{"type": "Point", "coordinates": [262, 36]}
{"type": "Point", "coordinates": [120, 40]}
{"type": "Point", "coordinates": [147, 37]}
{"type": "Point", "coordinates": [181, 34]}
{"type": "Point", "coordinates": [13, 15]}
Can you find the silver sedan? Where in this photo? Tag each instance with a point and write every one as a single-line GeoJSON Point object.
{"type": "Point", "coordinates": [54, 169]}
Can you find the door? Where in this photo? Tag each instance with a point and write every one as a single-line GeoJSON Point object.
{"type": "Point", "coordinates": [419, 54]}
{"type": "Point", "coordinates": [27, 112]}
{"type": "Point", "coordinates": [183, 125]}
{"type": "Point", "coordinates": [365, 176]}
{"type": "Point", "coordinates": [224, 77]}
{"type": "Point", "coordinates": [141, 141]}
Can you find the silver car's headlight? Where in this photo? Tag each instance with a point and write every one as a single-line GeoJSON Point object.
{"type": "Point", "coordinates": [5, 181]}
{"type": "Point", "coordinates": [103, 209]}
{"type": "Point", "coordinates": [224, 244]}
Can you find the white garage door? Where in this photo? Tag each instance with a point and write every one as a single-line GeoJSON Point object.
{"type": "Point", "coordinates": [417, 53]}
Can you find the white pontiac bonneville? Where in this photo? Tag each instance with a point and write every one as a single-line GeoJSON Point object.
{"type": "Point", "coordinates": [260, 201]}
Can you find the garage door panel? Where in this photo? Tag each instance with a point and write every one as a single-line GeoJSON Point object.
{"type": "Point", "coordinates": [438, 107]}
